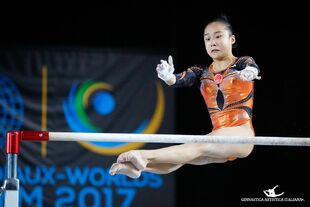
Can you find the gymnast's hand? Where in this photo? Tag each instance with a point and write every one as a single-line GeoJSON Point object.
{"type": "Point", "coordinates": [165, 69]}
{"type": "Point", "coordinates": [249, 73]}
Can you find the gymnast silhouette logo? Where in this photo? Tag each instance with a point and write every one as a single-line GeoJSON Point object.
{"type": "Point", "coordinates": [271, 192]}
{"type": "Point", "coordinates": [92, 103]}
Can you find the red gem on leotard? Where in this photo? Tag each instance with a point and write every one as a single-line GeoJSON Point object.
{"type": "Point", "coordinates": [218, 78]}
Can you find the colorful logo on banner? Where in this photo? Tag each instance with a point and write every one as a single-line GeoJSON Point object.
{"type": "Point", "coordinates": [100, 97]}
{"type": "Point", "coordinates": [11, 107]}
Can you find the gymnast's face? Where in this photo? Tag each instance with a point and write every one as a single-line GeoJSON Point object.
{"type": "Point", "coordinates": [218, 40]}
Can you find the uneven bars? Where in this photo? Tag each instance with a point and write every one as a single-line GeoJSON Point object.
{"type": "Point", "coordinates": [177, 138]}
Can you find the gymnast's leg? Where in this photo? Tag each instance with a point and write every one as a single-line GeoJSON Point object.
{"type": "Point", "coordinates": [168, 159]}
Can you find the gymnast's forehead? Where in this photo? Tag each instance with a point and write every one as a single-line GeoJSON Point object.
{"type": "Point", "coordinates": [215, 28]}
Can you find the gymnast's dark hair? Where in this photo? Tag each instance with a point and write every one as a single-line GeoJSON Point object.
{"type": "Point", "coordinates": [222, 18]}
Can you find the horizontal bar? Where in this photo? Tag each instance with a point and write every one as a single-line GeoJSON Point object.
{"type": "Point", "coordinates": [177, 138]}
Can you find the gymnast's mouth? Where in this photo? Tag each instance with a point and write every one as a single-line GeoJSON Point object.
{"type": "Point", "coordinates": [215, 50]}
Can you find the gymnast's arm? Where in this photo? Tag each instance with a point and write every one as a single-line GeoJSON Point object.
{"type": "Point", "coordinates": [247, 68]}
{"type": "Point", "coordinates": [188, 77]}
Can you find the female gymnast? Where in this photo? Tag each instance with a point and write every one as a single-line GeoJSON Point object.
{"type": "Point", "coordinates": [227, 86]}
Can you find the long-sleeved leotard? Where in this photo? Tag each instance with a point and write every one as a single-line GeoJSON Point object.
{"type": "Point", "coordinates": [229, 99]}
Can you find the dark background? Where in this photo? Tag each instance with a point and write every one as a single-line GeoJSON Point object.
{"type": "Point", "coordinates": [276, 36]}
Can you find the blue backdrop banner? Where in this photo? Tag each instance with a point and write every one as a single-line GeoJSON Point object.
{"type": "Point", "coordinates": [84, 90]}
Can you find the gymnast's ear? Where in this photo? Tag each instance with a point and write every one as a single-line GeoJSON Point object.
{"type": "Point", "coordinates": [233, 39]}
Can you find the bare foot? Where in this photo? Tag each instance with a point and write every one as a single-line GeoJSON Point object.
{"type": "Point", "coordinates": [133, 156]}
{"type": "Point", "coordinates": [125, 168]}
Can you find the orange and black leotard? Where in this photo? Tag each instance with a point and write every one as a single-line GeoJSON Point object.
{"type": "Point", "coordinates": [229, 99]}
